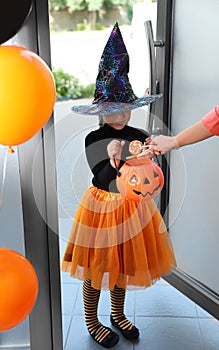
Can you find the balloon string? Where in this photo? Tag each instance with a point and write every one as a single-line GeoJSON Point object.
{"type": "Point", "coordinates": [2, 184]}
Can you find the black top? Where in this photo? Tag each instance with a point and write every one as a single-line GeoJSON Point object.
{"type": "Point", "coordinates": [96, 152]}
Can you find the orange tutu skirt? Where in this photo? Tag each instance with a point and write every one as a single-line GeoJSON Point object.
{"type": "Point", "coordinates": [115, 241]}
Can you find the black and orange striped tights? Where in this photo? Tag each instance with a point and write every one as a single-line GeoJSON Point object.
{"type": "Point", "coordinates": [91, 299]}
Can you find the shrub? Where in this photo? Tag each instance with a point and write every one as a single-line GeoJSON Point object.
{"type": "Point", "coordinates": [81, 27]}
{"type": "Point", "coordinates": [66, 85]}
{"type": "Point", "coordinates": [69, 87]}
{"type": "Point", "coordinates": [88, 91]}
{"type": "Point", "coordinates": [99, 26]}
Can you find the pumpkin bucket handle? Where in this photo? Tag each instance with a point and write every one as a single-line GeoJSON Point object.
{"type": "Point", "coordinates": [157, 160]}
{"type": "Point", "coordinates": [117, 169]}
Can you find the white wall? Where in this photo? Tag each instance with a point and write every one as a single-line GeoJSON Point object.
{"type": "Point", "coordinates": [194, 204]}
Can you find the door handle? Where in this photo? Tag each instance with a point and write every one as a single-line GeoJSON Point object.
{"type": "Point", "coordinates": [154, 86]}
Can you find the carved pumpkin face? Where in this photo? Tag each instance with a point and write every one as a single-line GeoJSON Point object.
{"type": "Point", "coordinates": [140, 179]}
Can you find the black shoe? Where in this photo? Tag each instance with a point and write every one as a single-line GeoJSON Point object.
{"type": "Point", "coordinates": [131, 334]}
{"type": "Point", "coordinates": [111, 340]}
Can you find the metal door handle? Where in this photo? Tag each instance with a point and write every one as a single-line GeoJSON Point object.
{"type": "Point", "coordinates": [154, 86]}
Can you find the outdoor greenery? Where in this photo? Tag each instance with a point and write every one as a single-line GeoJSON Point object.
{"type": "Point", "coordinates": [68, 87]}
{"type": "Point", "coordinates": [90, 5]}
{"type": "Point", "coordinates": [82, 27]}
{"type": "Point", "coordinates": [58, 4]}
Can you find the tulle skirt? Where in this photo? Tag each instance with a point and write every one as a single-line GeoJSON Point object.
{"type": "Point", "coordinates": [115, 241]}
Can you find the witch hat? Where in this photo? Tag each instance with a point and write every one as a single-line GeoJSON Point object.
{"type": "Point", "coordinates": [113, 93]}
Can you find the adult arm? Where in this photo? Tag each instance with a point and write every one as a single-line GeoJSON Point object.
{"type": "Point", "coordinates": [207, 127]}
{"type": "Point", "coordinates": [194, 133]}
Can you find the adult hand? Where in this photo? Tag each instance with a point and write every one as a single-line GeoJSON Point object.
{"type": "Point", "coordinates": [161, 144]}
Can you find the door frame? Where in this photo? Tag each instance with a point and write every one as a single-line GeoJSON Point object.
{"type": "Point", "coordinates": [41, 226]}
{"type": "Point", "coordinates": [193, 289]}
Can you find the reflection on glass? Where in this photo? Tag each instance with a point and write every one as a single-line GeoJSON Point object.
{"type": "Point", "coordinates": [12, 237]}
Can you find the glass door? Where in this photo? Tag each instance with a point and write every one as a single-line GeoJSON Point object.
{"type": "Point", "coordinates": [12, 234]}
{"type": "Point", "coordinates": [187, 72]}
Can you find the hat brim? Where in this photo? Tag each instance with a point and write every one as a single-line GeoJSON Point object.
{"type": "Point", "coordinates": [108, 108]}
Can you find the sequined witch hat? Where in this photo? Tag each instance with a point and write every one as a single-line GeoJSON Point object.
{"type": "Point", "coordinates": [113, 93]}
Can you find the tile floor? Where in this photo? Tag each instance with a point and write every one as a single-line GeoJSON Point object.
{"type": "Point", "coordinates": [166, 318]}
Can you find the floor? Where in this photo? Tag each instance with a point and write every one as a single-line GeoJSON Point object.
{"type": "Point", "coordinates": [166, 319]}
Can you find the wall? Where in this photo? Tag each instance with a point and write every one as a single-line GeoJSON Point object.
{"type": "Point", "coordinates": [194, 210]}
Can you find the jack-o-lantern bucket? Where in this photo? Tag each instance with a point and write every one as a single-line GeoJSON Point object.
{"type": "Point", "coordinates": [140, 179]}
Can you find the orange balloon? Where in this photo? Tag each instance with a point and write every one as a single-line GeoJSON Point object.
{"type": "Point", "coordinates": [27, 94]}
{"type": "Point", "coordinates": [18, 288]}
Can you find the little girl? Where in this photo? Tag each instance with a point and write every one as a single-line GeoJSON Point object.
{"type": "Point", "coordinates": [207, 127]}
{"type": "Point", "coordinates": [115, 243]}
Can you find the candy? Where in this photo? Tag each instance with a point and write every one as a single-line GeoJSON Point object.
{"type": "Point", "coordinates": [135, 147]}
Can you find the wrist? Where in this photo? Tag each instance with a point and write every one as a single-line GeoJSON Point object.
{"type": "Point", "coordinates": [176, 143]}
{"type": "Point", "coordinates": [112, 163]}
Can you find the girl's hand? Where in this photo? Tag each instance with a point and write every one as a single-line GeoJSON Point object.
{"type": "Point", "coordinates": [114, 150]}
